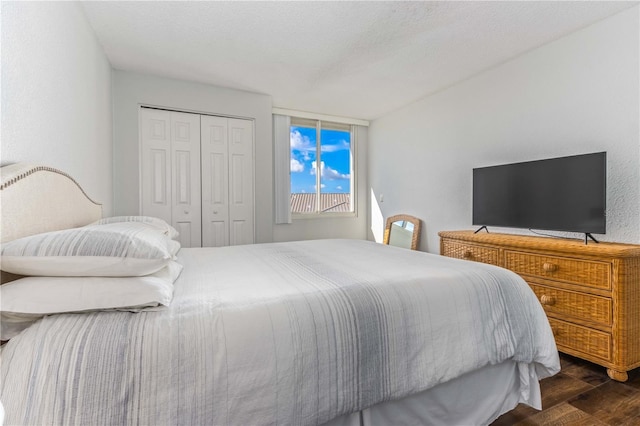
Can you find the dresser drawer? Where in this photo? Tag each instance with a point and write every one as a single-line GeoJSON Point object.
{"type": "Point", "coordinates": [581, 339]}
{"type": "Point", "coordinates": [575, 304]}
{"type": "Point", "coordinates": [581, 272]}
{"type": "Point", "coordinates": [471, 252]}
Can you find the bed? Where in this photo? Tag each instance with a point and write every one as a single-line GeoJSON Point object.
{"type": "Point", "coordinates": [333, 332]}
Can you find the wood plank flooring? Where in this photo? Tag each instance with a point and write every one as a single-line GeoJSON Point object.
{"type": "Point", "coordinates": [581, 394]}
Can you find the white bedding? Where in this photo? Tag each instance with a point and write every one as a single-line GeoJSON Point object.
{"type": "Point", "coordinates": [288, 333]}
{"type": "Point", "coordinates": [475, 398]}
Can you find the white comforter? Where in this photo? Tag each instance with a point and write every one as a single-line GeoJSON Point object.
{"type": "Point", "coordinates": [287, 333]}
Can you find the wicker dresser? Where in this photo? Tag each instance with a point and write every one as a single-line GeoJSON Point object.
{"type": "Point", "coordinates": [591, 293]}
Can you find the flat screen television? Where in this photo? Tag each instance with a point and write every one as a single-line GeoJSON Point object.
{"type": "Point", "coordinates": [557, 194]}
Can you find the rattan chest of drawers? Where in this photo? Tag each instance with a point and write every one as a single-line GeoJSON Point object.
{"type": "Point", "coordinates": [591, 293]}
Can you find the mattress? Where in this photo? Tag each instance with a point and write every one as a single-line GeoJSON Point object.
{"type": "Point", "coordinates": [299, 333]}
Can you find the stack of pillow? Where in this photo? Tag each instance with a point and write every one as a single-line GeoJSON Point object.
{"type": "Point", "coordinates": [118, 263]}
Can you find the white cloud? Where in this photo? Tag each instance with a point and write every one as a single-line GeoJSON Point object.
{"type": "Point", "coordinates": [300, 142]}
{"type": "Point", "coordinates": [331, 174]}
{"type": "Point", "coordinates": [327, 172]}
{"type": "Point", "coordinates": [296, 166]}
{"type": "Point", "coordinates": [343, 145]}
{"type": "Point", "coordinates": [339, 188]}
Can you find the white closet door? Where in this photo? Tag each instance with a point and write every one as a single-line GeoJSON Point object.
{"type": "Point", "coordinates": [215, 182]}
{"type": "Point", "coordinates": [197, 174]}
{"type": "Point", "coordinates": [227, 181]}
{"type": "Point", "coordinates": [155, 167]}
{"type": "Point", "coordinates": [240, 181]}
{"type": "Point", "coordinates": [185, 154]}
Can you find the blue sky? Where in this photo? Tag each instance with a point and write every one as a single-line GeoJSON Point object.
{"type": "Point", "coordinates": [335, 156]}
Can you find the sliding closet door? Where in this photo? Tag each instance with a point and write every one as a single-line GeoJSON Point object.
{"type": "Point", "coordinates": [197, 174]}
{"type": "Point", "coordinates": [170, 171]}
{"type": "Point", "coordinates": [215, 182]}
{"type": "Point", "coordinates": [185, 154]}
{"type": "Point", "coordinates": [240, 181]}
{"type": "Point", "coordinates": [227, 181]}
{"type": "Point", "coordinates": [155, 163]}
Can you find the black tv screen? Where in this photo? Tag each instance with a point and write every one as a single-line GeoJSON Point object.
{"type": "Point", "coordinates": [559, 194]}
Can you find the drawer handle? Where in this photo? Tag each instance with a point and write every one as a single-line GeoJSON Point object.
{"type": "Point", "coordinates": [547, 300]}
{"type": "Point", "coordinates": [549, 267]}
{"type": "Point", "coordinates": [467, 254]}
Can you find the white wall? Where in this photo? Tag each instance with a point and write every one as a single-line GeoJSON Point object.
{"type": "Point", "coordinates": [56, 94]}
{"type": "Point", "coordinates": [353, 227]}
{"type": "Point", "coordinates": [130, 90]}
{"type": "Point", "coordinates": [576, 95]}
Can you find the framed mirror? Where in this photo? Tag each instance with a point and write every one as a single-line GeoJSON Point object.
{"type": "Point", "coordinates": [402, 230]}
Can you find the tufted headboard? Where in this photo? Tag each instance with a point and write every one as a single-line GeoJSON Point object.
{"type": "Point", "coordinates": [36, 199]}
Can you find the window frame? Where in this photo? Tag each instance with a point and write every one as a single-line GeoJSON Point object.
{"type": "Point", "coordinates": [295, 122]}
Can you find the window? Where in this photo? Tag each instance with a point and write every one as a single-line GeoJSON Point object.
{"type": "Point", "coordinates": [328, 147]}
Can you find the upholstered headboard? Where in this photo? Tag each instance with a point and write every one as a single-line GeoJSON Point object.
{"type": "Point", "coordinates": [36, 199]}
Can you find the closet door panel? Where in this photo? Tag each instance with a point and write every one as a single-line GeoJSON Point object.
{"type": "Point", "coordinates": [215, 182]}
{"type": "Point", "coordinates": [184, 228]}
{"type": "Point", "coordinates": [217, 234]}
{"type": "Point", "coordinates": [241, 181]}
{"type": "Point", "coordinates": [159, 177]}
{"type": "Point", "coordinates": [155, 167]}
{"type": "Point", "coordinates": [239, 232]}
{"type": "Point", "coordinates": [185, 154]}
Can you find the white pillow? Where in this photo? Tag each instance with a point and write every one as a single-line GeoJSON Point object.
{"type": "Point", "coordinates": [155, 222]}
{"type": "Point", "coordinates": [24, 301]}
{"type": "Point", "coordinates": [111, 250]}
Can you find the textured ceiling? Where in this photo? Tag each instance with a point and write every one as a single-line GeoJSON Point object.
{"type": "Point", "coordinates": [353, 59]}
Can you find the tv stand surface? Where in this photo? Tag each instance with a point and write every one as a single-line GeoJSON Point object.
{"type": "Point", "coordinates": [590, 293]}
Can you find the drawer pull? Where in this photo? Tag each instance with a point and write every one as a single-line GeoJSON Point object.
{"type": "Point", "coordinates": [547, 300]}
{"type": "Point", "coordinates": [467, 254]}
{"type": "Point", "coordinates": [549, 267]}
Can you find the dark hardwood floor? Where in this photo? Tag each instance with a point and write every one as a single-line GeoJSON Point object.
{"type": "Point", "coordinates": [581, 394]}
